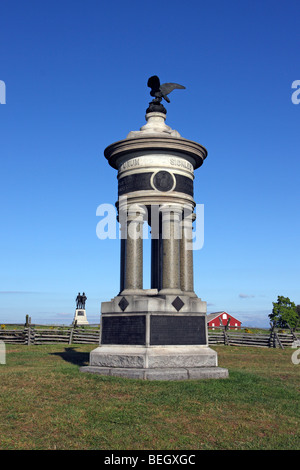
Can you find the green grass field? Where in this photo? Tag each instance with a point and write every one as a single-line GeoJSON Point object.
{"type": "Point", "coordinates": [46, 403]}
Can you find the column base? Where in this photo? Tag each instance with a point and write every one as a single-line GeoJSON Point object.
{"type": "Point", "coordinates": [132, 292]}
{"type": "Point", "coordinates": [170, 291]}
{"type": "Point", "coordinates": [190, 293]}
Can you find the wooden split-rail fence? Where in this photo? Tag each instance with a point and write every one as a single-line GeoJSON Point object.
{"type": "Point", "coordinates": [273, 338]}
{"type": "Point", "coordinates": [33, 334]}
{"type": "Point", "coordinates": [67, 335]}
{"type": "Point", "coordinates": [270, 340]}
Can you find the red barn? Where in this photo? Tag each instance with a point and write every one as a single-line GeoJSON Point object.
{"type": "Point", "coordinates": [220, 319]}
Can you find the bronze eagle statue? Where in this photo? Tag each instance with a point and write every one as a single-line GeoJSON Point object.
{"type": "Point", "coordinates": [159, 91]}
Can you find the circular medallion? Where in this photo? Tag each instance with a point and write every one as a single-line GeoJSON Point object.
{"type": "Point", "coordinates": [163, 181]}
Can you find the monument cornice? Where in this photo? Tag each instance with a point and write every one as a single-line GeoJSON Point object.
{"type": "Point", "coordinates": [176, 145]}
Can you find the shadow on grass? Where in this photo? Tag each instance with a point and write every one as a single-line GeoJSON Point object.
{"type": "Point", "coordinates": [74, 357]}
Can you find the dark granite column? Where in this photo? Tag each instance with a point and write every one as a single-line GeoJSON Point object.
{"type": "Point", "coordinates": [186, 256]}
{"type": "Point", "coordinates": [133, 257]}
{"type": "Point", "coordinates": [122, 263]}
{"type": "Point", "coordinates": [171, 234]}
{"type": "Point", "coordinates": [156, 248]}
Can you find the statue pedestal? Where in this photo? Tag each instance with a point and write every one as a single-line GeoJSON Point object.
{"type": "Point", "coordinates": [160, 337]}
{"type": "Point", "coordinates": [80, 317]}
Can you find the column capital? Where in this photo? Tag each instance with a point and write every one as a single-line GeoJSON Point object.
{"type": "Point", "coordinates": [171, 211]}
{"type": "Point", "coordinates": [187, 220]}
{"type": "Point", "coordinates": [171, 207]}
{"type": "Point", "coordinates": [132, 213]}
{"type": "Point", "coordinates": [137, 212]}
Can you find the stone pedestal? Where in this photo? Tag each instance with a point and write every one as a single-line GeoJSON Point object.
{"type": "Point", "coordinates": [80, 317]}
{"type": "Point", "coordinates": [156, 363]}
{"type": "Point", "coordinates": [155, 337]}
{"type": "Point", "coordinates": [158, 333]}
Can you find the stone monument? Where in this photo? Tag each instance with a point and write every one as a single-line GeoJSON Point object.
{"type": "Point", "coordinates": [158, 333]}
{"type": "Point", "coordinates": [80, 312]}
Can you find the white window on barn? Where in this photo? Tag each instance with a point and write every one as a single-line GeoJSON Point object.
{"type": "Point", "coordinates": [224, 316]}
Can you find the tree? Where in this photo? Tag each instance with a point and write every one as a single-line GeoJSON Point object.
{"type": "Point", "coordinates": [284, 313]}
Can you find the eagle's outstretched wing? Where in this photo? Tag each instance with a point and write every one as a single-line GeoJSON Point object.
{"type": "Point", "coordinates": [166, 88]}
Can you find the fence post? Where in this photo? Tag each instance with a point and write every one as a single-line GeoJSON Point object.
{"type": "Point", "coordinates": [71, 334]}
{"type": "Point", "coordinates": [28, 335]}
{"type": "Point", "coordinates": [292, 332]}
{"type": "Point", "coordinates": [2, 352]}
{"type": "Point", "coordinates": [272, 337]}
{"type": "Point", "coordinates": [278, 340]}
{"type": "Point", "coordinates": [226, 337]}
{"type": "Point", "coordinates": [222, 328]}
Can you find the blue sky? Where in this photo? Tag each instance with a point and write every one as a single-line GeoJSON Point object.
{"type": "Point", "coordinates": [76, 75]}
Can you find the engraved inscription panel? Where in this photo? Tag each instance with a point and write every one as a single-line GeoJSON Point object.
{"type": "Point", "coordinates": [132, 163]}
{"type": "Point", "coordinates": [136, 182]}
{"type": "Point", "coordinates": [177, 330]}
{"type": "Point", "coordinates": [156, 161]}
{"type": "Point", "coordinates": [163, 181]}
{"type": "Point", "coordinates": [182, 164]}
{"type": "Point", "coordinates": [124, 330]}
{"type": "Point", "coordinates": [184, 185]}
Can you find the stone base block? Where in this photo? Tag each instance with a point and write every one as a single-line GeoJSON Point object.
{"type": "Point", "coordinates": [194, 373]}
{"type": "Point", "coordinates": [156, 363]}
{"type": "Point", "coordinates": [153, 357]}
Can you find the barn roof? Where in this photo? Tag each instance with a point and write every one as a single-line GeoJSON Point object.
{"type": "Point", "coordinates": [212, 316]}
